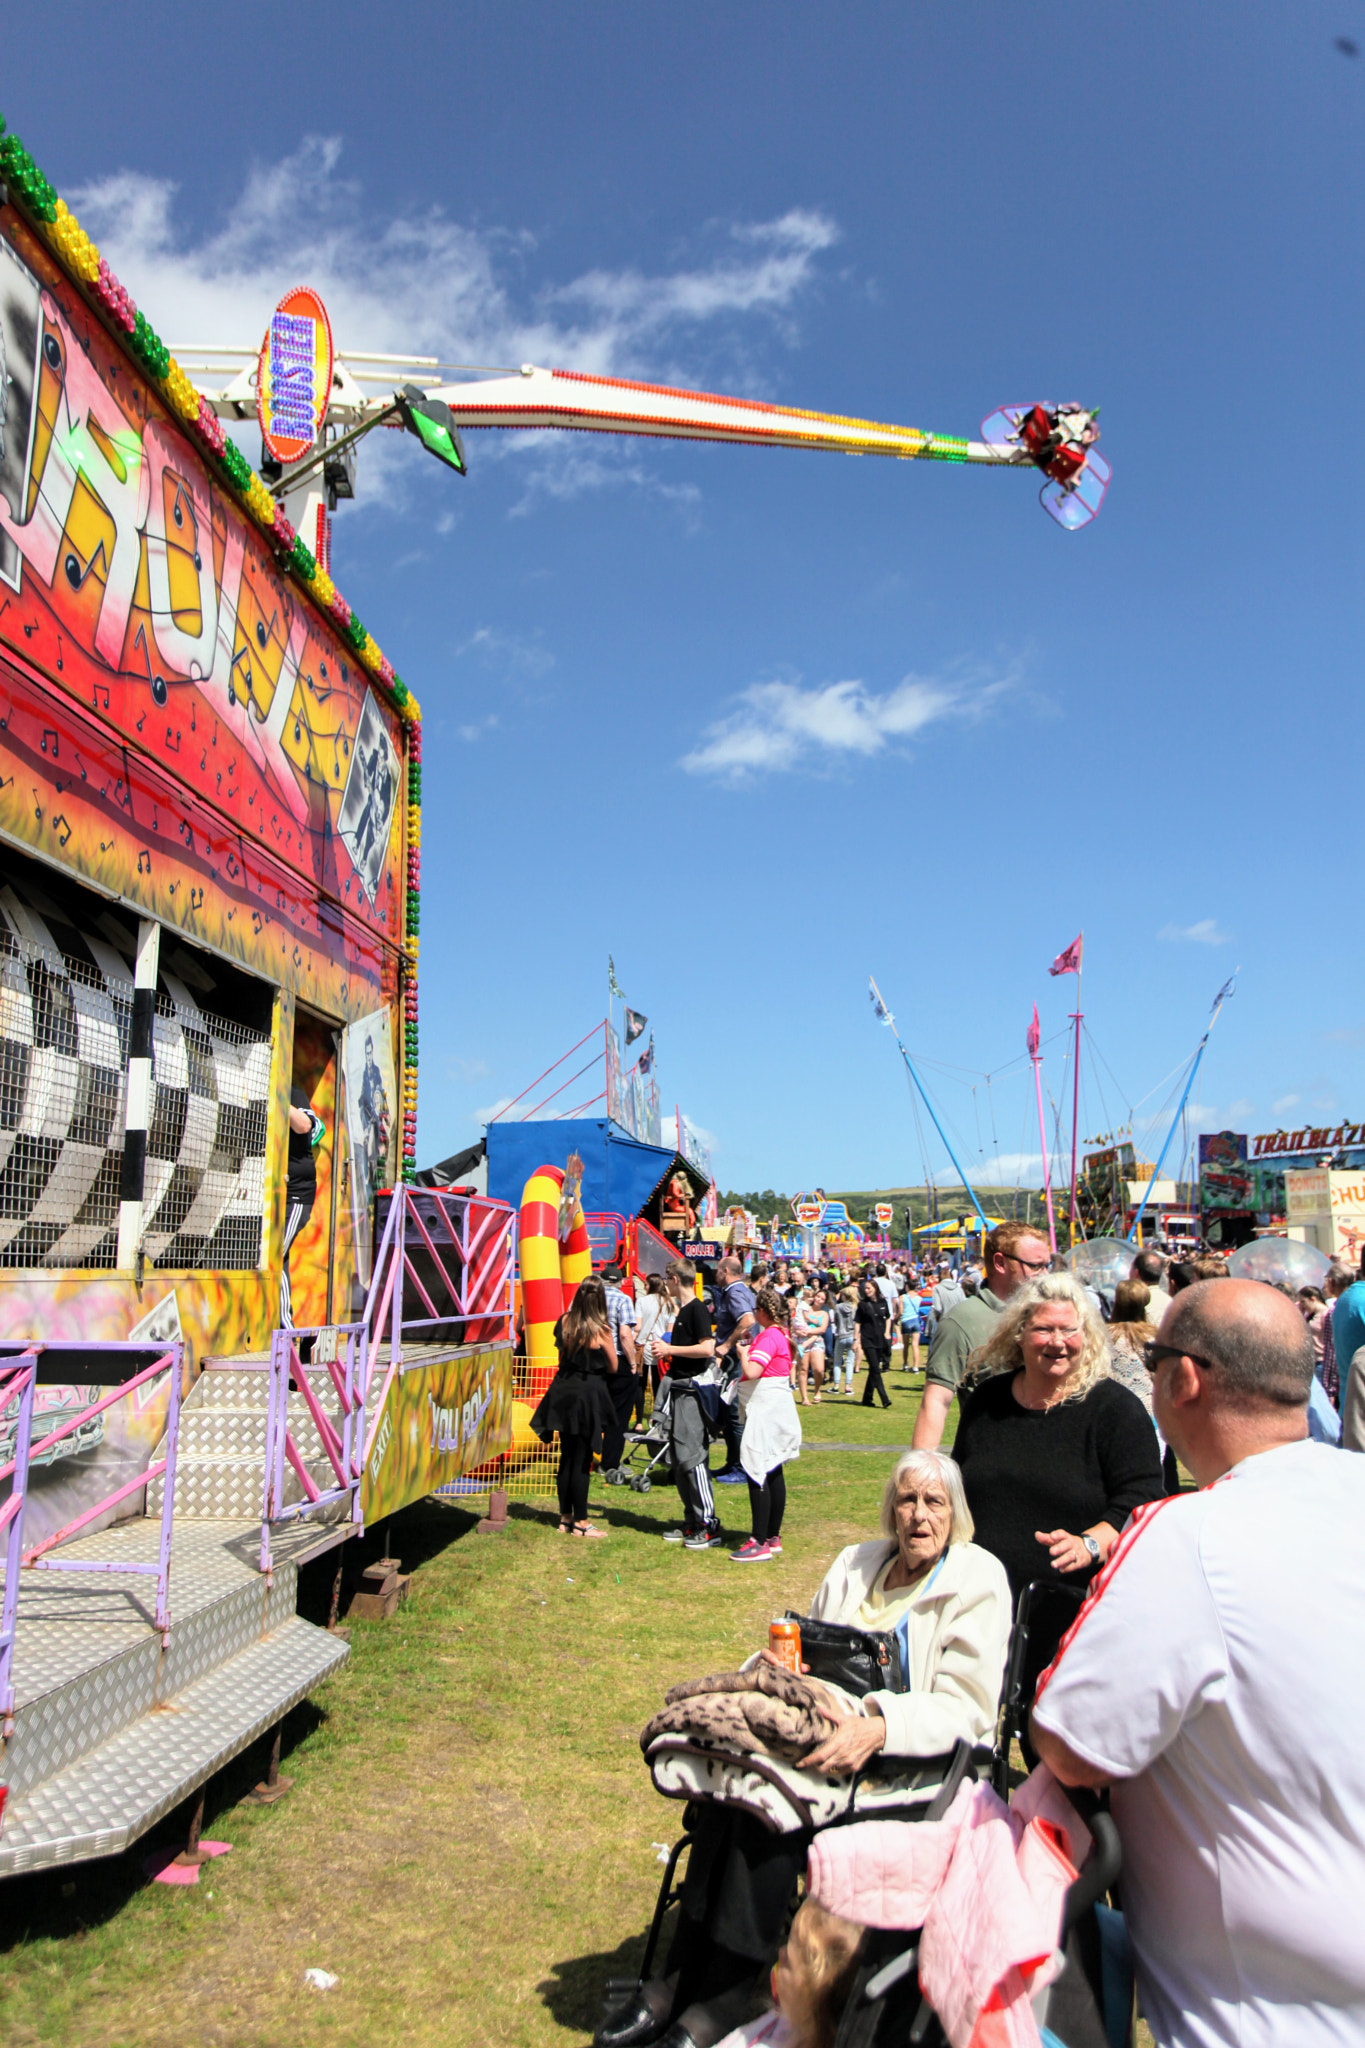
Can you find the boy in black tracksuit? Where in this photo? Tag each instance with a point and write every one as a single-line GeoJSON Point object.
{"type": "Point", "coordinates": [689, 1351]}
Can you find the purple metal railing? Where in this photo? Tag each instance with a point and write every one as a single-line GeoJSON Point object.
{"type": "Point", "coordinates": [471, 1283]}
{"type": "Point", "coordinates": [344, 1448]}
{"type": "Point", "coordinates": [19, 1374]}
{"type": "Point", "coordinates": [481, 1290]}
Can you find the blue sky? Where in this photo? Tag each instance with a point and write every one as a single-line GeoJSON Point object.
{"type": "Point", "coordinates": [758, 723]}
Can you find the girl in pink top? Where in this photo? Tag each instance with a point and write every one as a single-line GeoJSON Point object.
{"type": "Point", "coordinates": [772, 1429]}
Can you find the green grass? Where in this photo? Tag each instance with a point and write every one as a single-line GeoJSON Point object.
{"type": "Point", "coordinates": [469, 1843]}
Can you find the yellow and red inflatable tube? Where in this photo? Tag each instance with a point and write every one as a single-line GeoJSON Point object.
{"type": "Point", "coordinates": [551, 1272]}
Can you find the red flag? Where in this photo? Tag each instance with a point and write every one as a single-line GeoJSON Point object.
{"type": "Point", "coordinates": [1070, 961]}
{"type": "Point", "coordinates": [1034, 1035]}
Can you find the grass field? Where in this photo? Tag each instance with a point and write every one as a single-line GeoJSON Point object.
{"type": "Point", "coordinates": [471, 1841]}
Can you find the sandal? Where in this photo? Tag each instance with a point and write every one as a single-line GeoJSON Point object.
{"type": "Point", "coordinates": [586, 1529]}
{"type": "Point", "coordinates": [565, 1528]}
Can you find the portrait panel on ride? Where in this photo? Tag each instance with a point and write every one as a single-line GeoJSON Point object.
{"type": "Point", "coordinates": [370, 1098]}
{"type": "Point", "coordinates": [195, 736]}
{"type": "Point", "coordinates": [369, 798]}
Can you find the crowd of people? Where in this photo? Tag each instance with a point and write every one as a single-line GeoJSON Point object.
{"type": "Point", "coordinates": [1150, 1449]}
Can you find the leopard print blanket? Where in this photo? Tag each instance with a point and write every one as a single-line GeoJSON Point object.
{"type": "Point", "coordinates": [759, 1712]}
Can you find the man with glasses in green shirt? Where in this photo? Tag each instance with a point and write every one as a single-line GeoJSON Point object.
{"type": "Point", "coordinates": [1014, 1254]}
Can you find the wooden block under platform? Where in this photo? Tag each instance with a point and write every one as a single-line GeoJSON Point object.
{"type": "Point", "coordinates": [382, 1591]}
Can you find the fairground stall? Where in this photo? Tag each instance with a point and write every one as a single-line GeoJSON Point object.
{"type": "Point", "coordinates": [1309, 1183]}
{"type": "Point", "coordinates": [209, 864]}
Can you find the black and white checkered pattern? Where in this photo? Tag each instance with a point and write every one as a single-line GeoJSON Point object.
{"type": "Point", "coordinates": [66, 1000]}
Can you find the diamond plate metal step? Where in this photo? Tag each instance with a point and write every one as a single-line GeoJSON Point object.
{"type": "Point", "coordinates": [220, 1463]}
{"type": "Point", "coordinates": [116, 1791]}
{"type": "Point", "coordinates": [110, 1729]}
{"type": "Point", "coordinates": [87, 1664]}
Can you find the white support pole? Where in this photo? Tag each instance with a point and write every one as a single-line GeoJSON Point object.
{"type": "Point", "coordinates": [138, 1101]}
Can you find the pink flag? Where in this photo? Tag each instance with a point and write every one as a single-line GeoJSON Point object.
{"type": "Point", "coordinates": [1034, 1035]}
{"type": "Point", "coordinates": [1070, 961]}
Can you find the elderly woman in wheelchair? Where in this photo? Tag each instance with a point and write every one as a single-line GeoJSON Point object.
{"type": "Point", "coordinates": [903, 1653]}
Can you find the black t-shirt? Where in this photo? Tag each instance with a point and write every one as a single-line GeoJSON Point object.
{"type": "Point", "coordinates": [692, 1325]}
{"type": "Point", "coordinates": [1068, 1467]}
{"type": "Point", "coordinates": [302, 1182]}
{"type": "Point", "coordinates": [870, 1316]}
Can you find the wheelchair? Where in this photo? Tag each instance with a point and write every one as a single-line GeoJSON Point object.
{"type": "Point", "coordinates": [1088, 2005]}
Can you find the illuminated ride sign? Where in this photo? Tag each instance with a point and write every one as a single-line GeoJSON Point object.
{"type": "Point", "coordinates": [294, 375]}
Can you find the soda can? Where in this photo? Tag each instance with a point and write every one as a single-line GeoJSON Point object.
{"type": "Point", "coordinates": [784, 1640]}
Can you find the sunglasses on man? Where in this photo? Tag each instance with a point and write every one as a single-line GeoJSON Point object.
{"type": "Point", "coordinates": [1153, 1353]}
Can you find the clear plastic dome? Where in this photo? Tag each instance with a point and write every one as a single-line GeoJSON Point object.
{"type": "Point", "coordinates": [1274, 1259]}
{"type": "Point", "coordinates": [1101, 1262]}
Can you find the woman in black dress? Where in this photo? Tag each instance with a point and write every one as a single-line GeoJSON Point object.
{"type": "Point", "coordinates": [1055, 1454]}
{"type": "Point", "coordinates": [577, 1403]}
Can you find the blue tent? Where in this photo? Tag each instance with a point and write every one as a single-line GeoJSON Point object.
{"type": "Point", "coordinates": [620, 1175]}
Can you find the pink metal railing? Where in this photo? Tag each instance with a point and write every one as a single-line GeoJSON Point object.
{"type": "Point", "coordinates": [19, 1376]}
{"type": "Point", "coordinates": [344, 1448]}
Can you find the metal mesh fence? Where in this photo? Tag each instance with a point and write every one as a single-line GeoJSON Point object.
{"type": "Point", "coordinates": [66, 1001]}
{"type": "Point", "coordinates": [527, 1471]}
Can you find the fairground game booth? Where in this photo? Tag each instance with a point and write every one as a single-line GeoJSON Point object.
{"type": "Point", "coordinates": [209, 890]}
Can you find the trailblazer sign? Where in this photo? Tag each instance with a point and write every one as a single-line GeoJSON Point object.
{"type": "Point", "coordinates": [1326, 1139]}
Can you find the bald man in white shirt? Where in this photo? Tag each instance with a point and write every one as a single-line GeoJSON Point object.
{"type": "Point", "coordinates": [1214, 1679]}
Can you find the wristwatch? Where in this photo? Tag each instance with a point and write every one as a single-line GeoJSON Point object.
{"type": "Point", "coordinates": [1092, 1546]}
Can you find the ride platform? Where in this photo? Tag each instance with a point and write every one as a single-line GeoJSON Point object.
{"type": "Point", "coordinates": [111, 1730]}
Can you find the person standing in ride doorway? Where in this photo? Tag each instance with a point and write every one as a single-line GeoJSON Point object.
{"type": "Point", "coordinates": [306, 1133]}
{"type": "Point", "coordinates": [772, 1428]}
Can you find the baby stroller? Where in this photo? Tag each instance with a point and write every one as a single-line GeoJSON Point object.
{"type": "Point", "coordinates": [649, 1444]}
{"type": "Point", "coordinates": [1088, 2005]}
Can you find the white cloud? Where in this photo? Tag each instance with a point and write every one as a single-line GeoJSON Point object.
{"type": "Point", "coordinates": [422, 281]}
{"type": "Point", "coordinates": [1009, 1169]}
{"type": "Point", "coordinates": [492, 1109]}
{"type": "Point", "coordinates": [1204, 933]}
{"type": "Point", "coordinates": [570, 472]}
{"type": "Point", "coordinates": [512, 652]}
{"type": "Point", "coordinates": [668, 1133]}
{"type": "Point", "coordinates": [478, 728]}
{"type": "Point", "coordinates": [1284, 1103]}
{"type": "Point", "coordinates": [778, 727]}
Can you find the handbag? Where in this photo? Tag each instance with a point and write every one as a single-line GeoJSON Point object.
{"type": "Point", "coordinates": [857, 1659]}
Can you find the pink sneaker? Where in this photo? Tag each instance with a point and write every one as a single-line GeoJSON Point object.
{"type": "Point", "coordinates": [773, 1546]}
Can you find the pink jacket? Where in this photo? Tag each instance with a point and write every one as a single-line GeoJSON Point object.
{"type": "Point", "coordinates": [987, 1885]}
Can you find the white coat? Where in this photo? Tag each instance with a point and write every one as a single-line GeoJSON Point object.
{"type": "Point", "coordinates": [958, 1632]}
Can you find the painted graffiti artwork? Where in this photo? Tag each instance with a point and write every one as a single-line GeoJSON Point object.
{"type": "Point", "coordinates": [369, 1100]}
{"type": "Point", "coordinates": [368, 800]}
{"type": "Point", "coordinates": [198, 740]}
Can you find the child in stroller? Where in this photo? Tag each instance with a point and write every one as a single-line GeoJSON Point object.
{"type": "Point", "coordinates": [811, 1980]}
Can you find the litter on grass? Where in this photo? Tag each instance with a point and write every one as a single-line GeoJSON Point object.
{"type": "Point", "coordinates": [321, 1980]}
